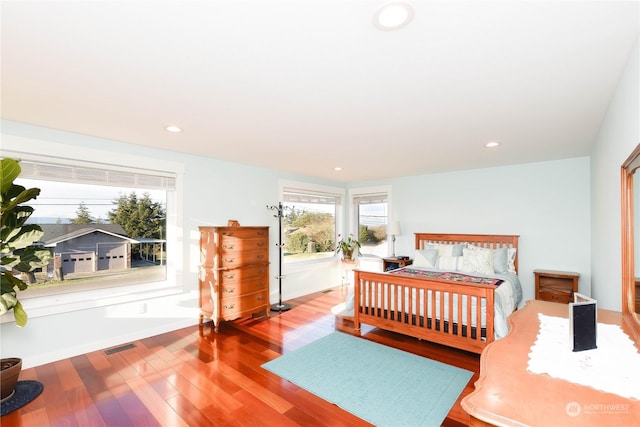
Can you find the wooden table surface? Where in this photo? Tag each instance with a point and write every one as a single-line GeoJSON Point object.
{"type": "Point", "coordinates": [508, 395]}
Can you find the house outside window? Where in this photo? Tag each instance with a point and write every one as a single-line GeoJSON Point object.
{"type": "Point", "coordinates": [106, 227]}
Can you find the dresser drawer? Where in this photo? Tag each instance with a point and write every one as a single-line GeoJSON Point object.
{"type": "Point", "coordinates": [243, 273]}
{"type": "Point", "coordinates": [236, 245]}
{"type": "Point", "coordinates": [555, 296]}
{"type": "Point", "coordinates": [244, 233]}
{"type": "Point", "coordinates": [214, 243]}
{"type": "Point", "coordinates": [232, 308]}
{"type": "Point", "coordinates": [556, 286]}
{"type": "Point", "coordinates": [555, 283]}
{"type": "Point", "coordinates": [229, 290]}
{"type": "Point", "coordinates": [234, 259]}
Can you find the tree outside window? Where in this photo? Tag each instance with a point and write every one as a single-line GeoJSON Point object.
{"type": "Point", "coordinates": [309, 224]}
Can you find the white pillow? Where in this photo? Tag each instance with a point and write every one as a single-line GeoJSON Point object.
{"type": "Point", "coordinates": [444, 249]}
{"type": "Point", "coordinates": [511, 259]}
{"type": "Point", "coordinates": [450, 263]}
{"type": "Point", "coordinates": [503, 258]}
{"type": "Point", "coordinates": [477, 248]}
{"type": "Point", "coordinates": [477, 261]}
{"type": "Point", "coordinates": [426, 258]}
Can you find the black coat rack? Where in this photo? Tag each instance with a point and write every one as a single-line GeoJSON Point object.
{"type": "Point", "coordinates": [280, 306]}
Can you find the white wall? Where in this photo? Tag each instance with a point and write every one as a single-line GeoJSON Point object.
{"type": "Point", "coordinates": [546, 203]}
{"type": "Point", "coordinates": [214, 192]}
{"type": "Point", "coordinates": [618, 136]}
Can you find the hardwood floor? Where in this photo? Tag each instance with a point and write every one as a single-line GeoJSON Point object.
{"type": "Point", "coordinates": [195, 377]}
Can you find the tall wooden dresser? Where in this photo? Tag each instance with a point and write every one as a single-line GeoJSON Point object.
{"type": "Point", "coordinates": [234, 272]}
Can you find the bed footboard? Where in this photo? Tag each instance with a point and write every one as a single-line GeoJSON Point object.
{"type": "Point", "coordinates": [456, 315]}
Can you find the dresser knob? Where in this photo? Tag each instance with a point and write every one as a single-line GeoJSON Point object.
{"type": "Point", "coordinates": [229, 290]}
{"type": "Point", "coordinates": [228, 276]}
{"type": "Point", "coordinates": [261, 244]}
{"type": "Point", "coordinates": [228, 306]}
{"type": "Point", "coordinates": [260, 298]}
{"type": "Point", "coordinates": [228, 259]}
{"type": "Point", "coordinates": [228, 246]}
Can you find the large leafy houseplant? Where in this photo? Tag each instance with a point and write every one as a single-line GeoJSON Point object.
{"type": "Point", "coordinates": [17, 253]}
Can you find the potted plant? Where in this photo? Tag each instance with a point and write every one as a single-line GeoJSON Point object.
{"type": "Point", "coordinates": [17, 254]}
{"type": "Point", "coordinates": [348, 246]}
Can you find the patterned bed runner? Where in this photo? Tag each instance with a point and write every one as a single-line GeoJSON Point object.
{"type": "Point", "coordinates": [445, 275]}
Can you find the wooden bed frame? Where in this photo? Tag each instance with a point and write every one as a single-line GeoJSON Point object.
{"type": "Point", "coordinates": [374, 292]}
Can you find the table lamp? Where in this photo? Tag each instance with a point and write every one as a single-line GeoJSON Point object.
{"type": "Point", "coordinates": [393, 228]}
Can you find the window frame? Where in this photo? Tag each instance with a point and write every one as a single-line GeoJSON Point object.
{"type": "Point", "coordinates": [48, 152]}
{"type": "Point", "coordinates": [339, 218]}
{"type": "Point", "coordinates": [354, 217]}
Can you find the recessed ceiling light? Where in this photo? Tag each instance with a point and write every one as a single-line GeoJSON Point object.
{"type": "Point", "coordinates": [492, 144]}
{"type": "Point", "coordinates": [337, 168]}
{"type": "Point", "coordinates": [393, 16]}
{"type": "Point", "coordinates": [174, 129]}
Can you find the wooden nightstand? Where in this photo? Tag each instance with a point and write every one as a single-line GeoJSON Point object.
{"type": "Point", "coordinates": [556, 286]}
{"type": "Point", "coordinates": [392, 263]}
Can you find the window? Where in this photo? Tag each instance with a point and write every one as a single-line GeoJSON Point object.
{"type": "Point", "coordinates": [372, 215]}
{"type": "Point", "coordinates": [107, 227]}
{"type": "Point", "coordinates": [309, 222]}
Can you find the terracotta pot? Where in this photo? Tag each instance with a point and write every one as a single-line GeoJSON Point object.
{"type": "Point", "coordinates": [347, 256]}
{"type": "Point", "coordinates": [9, 372]}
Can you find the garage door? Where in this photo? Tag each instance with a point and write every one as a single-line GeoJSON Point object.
{"type": "Point", "coordinates": [112, 256]}
{"type": "Point", "coordinates": [77, 262]}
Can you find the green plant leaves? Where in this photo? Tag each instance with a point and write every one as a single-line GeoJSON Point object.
{"type": "Point", "coordinates": [22, 237]}
{"type": "Point", "coordinates": [32, 258]}
{"type": "Point", "coordinates": [9, 301]}
{"type": "Point", "coordinates": [20, 315]}
{"type": "Point", "coordinates": [17, 238]}
{"type": "Point", "coordinates": [10, 202]}
{"type": "Point", "coordinates": [9, 171]}
{"type": "Point", "coordinates": [9, 282]}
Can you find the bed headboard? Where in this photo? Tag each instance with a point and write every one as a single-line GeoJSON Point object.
{"type": "Point", "coordinates": [490, 241]}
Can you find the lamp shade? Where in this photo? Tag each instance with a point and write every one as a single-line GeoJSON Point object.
{"type": "Point", "coordinates": [393, 228]}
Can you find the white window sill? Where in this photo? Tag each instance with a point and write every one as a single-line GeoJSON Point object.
{"type": "Point", "coordinates": [68, 302]}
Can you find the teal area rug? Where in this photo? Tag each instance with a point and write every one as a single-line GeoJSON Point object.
{"type": "Point", "coordinates": [380, 384]}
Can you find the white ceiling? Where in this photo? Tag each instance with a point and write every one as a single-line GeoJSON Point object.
{"type": "Point", "coordinates": [303, 86]}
